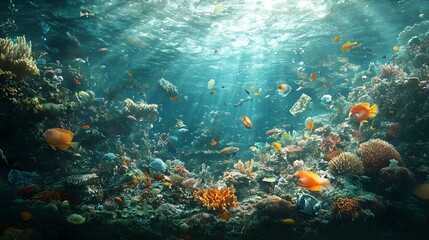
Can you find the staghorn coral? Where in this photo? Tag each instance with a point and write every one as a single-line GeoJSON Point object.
{"type": "Point", "coordinates": [216, 199]}
{"type": "Point", "coordinates": [346, 209]}
{"type": "Point", "coordinates": [246, 168]}
{"type": "Point", "coordinates": [141, 110]}
{"type": "Point", "coordinates": [16, 60]}
{"type": "Point", "coordinates": [346, 163]}
{"type": "Point", "coordinates": [376, 154]}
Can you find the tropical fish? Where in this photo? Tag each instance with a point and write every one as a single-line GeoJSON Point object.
{"type": "Point", "coordinates": [310, 180]}
{"type": "Point", "coordinates": [308, 205]}
{"type": "Point", "coordinates": [253, 148]}
{"type": "Point", "coordinates": [395, 48]}
{"type": "Point", "coordinates": [229, 151]}
{"type": "Point", "coordinates": [275, 132]}
{"type": "Point", "coordinates": [246, 91]}
{"type": "Point", "coordinates": [86, 126]}
{"type": "Point", "coordinates": [310, 126]}
{"type": "Point", "coordinates": [324, 85]}
{"type": "Point", "coordinates": [130, 74]}
{"type": "Point", "coordinates": [313, 76]}
{"type": "Point", "coordinates": [337, 38]}
{"type": "Point", "coordinates": [210, 84]}
{"type": "Point", "coordinates": [289, 222]}
{"type": "Point", "coordinates": [59, 138]}
{"type": "Point", "coordinates": [132, 118]}
{"type": "Point", "coordinates": [103, 49]}
{"type": "Point", "coordinates": [174, 98]}
{"type": "Point", "coordinates": [213, 143]}
{"type": "Point", "coordinates": [350, 45]}
{"type": "Point", "coordinates": [218, 8]}
{"type": "Point", "coordinates": [361, 112]}
{"type": "Point", "coordinates": [283, 86]}
{"type": "Point", "coordinates": [158, 165]}
{"type": "Point", "coordinates": [276, 146]}
{"type": "Point", "coordinates": [246, 121]}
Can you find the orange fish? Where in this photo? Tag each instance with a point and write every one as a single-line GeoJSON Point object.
{"type": "Point", "coordinates": [310, 180]}
{"type": "Point", "coordinates": [86, 126]}
{"type": "Point", "coordinates": [310, 126]}
{"type": "Point", "coordinates": [361, 112]}
{"type": "Point", "coordinates": [349, 45]}
{"type": "Point", "coordinates": [337, 38]}
{"type": "Point", "coordinates": [59, 138]}
{"type": "Point", "coordinates": [246, 121]}
{"type": "Point", "coordinates": [174, 98]}
{"type": "Point", "coordinates": [395, 48]}
{"type": "Point", "coordinates": [324, 85]}
{"type": "Point", "coordinates": [213, 143]}
{"type": "Point", "coordinates": [130, 74]}
{"type": "Point", "coordinates": [26, 215]}
{"type": "Point", "coordinates": [282, 87]}
{"type": "Point", "coordinates": [76, 82]}
{"type": "Point", "coordinates": [313, 76]}
{"type": "Point", "coordinates": [225, 216]}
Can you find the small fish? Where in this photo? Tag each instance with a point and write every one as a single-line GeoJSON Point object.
{"type": "Point", "coordinates": [307, 136]}
{"type": "Point", "coordinates": [213, 143]}
{"type": "Point", "coordinates": [130, 74]}
{"type": "Point", "coordinates": [313, 76]}
{"type": "Point", "coordinates": [276, 146]}
{"type": "Point", "coordinates": [289, 222]}
{"type": "Point", "coordinates": [229, 151]}
{"type": "Point", "coordinates": [86, 13]}
{"type": "Point", "coordinates": [283, 86]}
{"type": "Point", "coordinates": [310, 126]}
{"type": "Point", "coordinates": [132, 118]}
{"type": "Point", "coordinates": [174, 98]}
{"type": "Point", "coordinates": [310, 180]}
{"type": "Point", "coordinates": [337, 38]}
{"type": "Point", "coordinates": [395, 48]}
{"type": "Point", "coordinates": [350, 46]}
{"type": "Point", "coordinates": [256, 94]}
{"type": "Point", "coordinates": [246, 91]}
{"type": "Point", "coordinates": [76, 82]}
{"type": "Point", "coordinates": [217, 9]}
{"type": "Point", "coordinates": [253, 148]}
{"type": "Point", "coordinates": [103, 49]}
{"type": "Point", "coordinates": [308, 205]}
{"type": "Point", "coordinates": [371, 128]}
{"type": "Point", "coordinates": [224, 103]}
{"type": "Point", "coordinates": [252, 87]}
{"type": "Point", "coordinates": [275, 132]}
{"type": "Point", "coordinates": [361, 112]}
{"type": "Point", "coordinates": [86, 126]}
{"type": "Point", "coordinates": [324, 85]}
{"type": "Point", "coordinates": [247, 123]}
{"type": "Point", "coordinates": [384, 57]}
{"type": "Point", "coordinates": [26, 215]}
{"type": "Point", "coordinates": [59, 138]}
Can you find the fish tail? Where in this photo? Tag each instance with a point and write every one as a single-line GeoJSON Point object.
{"type": "Point", "coordinates": [74, 144]}
{"type": "Point", "coordinates": [373, 109]}
{"type": "Point", "coordinates": [325, 183]}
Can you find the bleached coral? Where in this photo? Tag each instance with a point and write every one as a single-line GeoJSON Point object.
{"type": "Point", "coordinates": [245, 168]}
{"type": "Point", "coordinates": [141, 110]}
{"type": "Point", "coordinates": [16, 60]}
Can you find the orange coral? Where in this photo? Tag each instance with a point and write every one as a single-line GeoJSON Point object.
{"type": "Point", "coordinates": [332, 154]}
{"type": "Point", "coordinates": [346, 209]}
{"type": "Point", "coordinates": [245, 168]}
{"type": "Point", "coordinates": [216, 199]}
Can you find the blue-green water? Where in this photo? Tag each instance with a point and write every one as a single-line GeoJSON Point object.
{"type": "Point", "coordinates": [107, 51]}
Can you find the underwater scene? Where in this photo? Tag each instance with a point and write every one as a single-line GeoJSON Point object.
{"type": "Point", "coordinates": [208, 119]}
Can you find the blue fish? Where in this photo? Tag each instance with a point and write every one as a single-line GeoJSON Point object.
{"type": "Point", "coordinates": [158, 165]}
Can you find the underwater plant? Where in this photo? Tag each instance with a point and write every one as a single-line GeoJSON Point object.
{"type": "Point", "coordinates": [346, 163]}
{"type": "Point", "coordinates": [376, 154]}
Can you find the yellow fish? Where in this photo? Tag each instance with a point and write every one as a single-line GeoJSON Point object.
{"type": "Point", "coordinates": [277, 146]}
{"type": "Point", "coordinates": [59, 138]}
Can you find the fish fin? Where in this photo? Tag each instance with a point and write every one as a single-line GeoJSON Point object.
{"type": "Point", "coordinates": [371, 114]}
{"type": "Point", "coordinates": [53, 147]}
{"type": "Point", "coordinates": [366, 104]}
{"type": "Point", "coordinates": [325, 183]}
{"type": "Point", "coordinates": [313, 175]}
{"type": "Point", "coordinates": [364, 121]}
{"type": "Point", "coordinates": [69, 135]}
{"type": "Point", "coordinates": [74, 144]}
{"type": "Point", "coordinates": [63, 147]}
{"type": "Point", "coordinates": [373, 109]}
{"type": "Point", "coordinates": [315, 188]}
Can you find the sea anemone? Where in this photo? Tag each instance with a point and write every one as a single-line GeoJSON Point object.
{"type": "Point", "coordinates": [346, 163]}
{"type": "Point", "coordinates": [376, 154]}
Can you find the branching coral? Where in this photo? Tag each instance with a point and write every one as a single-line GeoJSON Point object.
{"type": "Point", "coordinates": [346, 163]}
{"type": "Point", "coordinates": [216, 199]}
{"type": "Point", "coordinates": [141, 110]}
{"type": "Point", "coordinates": [246, 168]}
{"type": "Point", "coordinates": [16, 60]}
{"type": "Point", "coordinates": [376, 154]}
{"type": "Point", "coordinates": [346, 209]}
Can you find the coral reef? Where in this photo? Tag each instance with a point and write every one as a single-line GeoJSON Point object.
{"type": "Point", "coordinates": [376, 154]}
{"type": "Point", "coordinates": [16, 60]}
{"type": "Point", "coordinates": [396, 181]}
{"type": "Point", "coordinates": [216, 199]}
{"type": "Point", "coordinates": [346, 209]}
{"type": "Point", "coordinates": [346, 163]}
{"type": "Point", "coordinates": [141, 110]}
{"type": "Point", "coordinates": [246, 168]}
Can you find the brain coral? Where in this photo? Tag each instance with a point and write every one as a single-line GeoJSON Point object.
{"type": "Point", "coordinates": [346, 163]}
{"type": "Point", "coordinates": [376, 154]}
